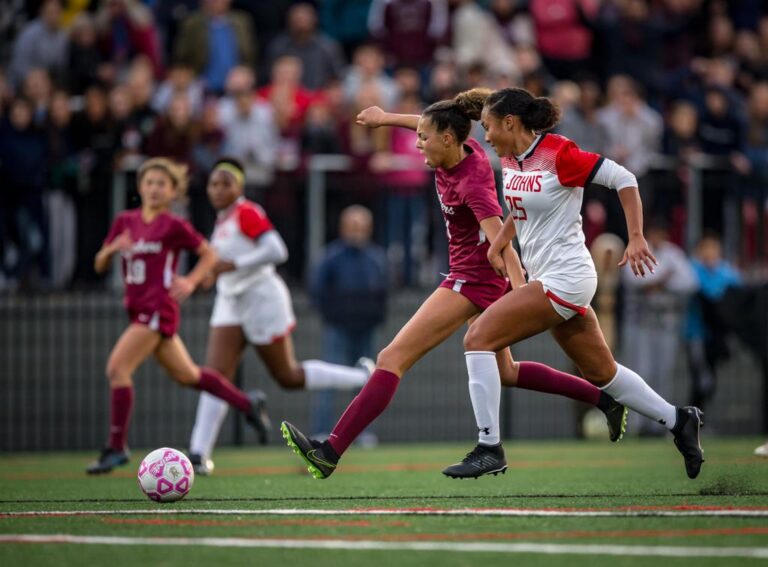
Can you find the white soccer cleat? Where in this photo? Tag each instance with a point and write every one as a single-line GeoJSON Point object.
{"type": "Point", "coordinates": [762, 450]}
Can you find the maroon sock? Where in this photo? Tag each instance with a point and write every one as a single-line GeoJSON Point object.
{"type": "Point", "coordinates": [367, 406]}
{"type": "Point", "coordinates": [542, 378]}
{"type": "Point", "coordinates": [216, 385]}
{"type": "Point", "coordinates": [120, 416]}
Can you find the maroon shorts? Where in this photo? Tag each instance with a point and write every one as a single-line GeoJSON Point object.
{"type": "Point", "coordinates": [482, 294]}
{"type": "Point", "coordinates": [164, 320]}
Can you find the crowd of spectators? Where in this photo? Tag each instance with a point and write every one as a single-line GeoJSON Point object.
{"type": "Point", "coordinates": [89, 87]}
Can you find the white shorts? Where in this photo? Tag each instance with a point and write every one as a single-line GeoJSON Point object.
{"type": "Point", "coordinates": [263, 311]}
{"type": "Point", "coordinates": [572, 297]}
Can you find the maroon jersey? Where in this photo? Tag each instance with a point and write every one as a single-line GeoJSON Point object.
{"type": "Point", "coordinates": [149, 266]}
{"type": "Point", "coordinates": [467, 195]}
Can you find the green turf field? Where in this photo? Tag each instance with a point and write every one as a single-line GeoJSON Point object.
{"type": "Point", "coordinates": [262, 508]}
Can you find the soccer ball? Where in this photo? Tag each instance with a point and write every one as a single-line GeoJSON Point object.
{"type": "Point", "coordinates": [593, 425]}
{"type": "Point", "coordinates": [166, 475]}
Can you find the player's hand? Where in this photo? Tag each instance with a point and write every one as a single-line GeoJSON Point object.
{"type": "Point", "coordinates": [639, 257]}
{"type": "Point", "coordinates": [123, 242]}
{"type": "Point", "coordinates": [181, 288]}
{"type": "Point", "coordinates": [497, 261]}
{"type": "Point", "coordinates": [223, 266]}
{"type": "Point", "coordinates": [372, 117]}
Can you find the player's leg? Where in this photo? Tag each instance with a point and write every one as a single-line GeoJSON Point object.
{"type": "Point", "coordinates": [224, 351]}
{"type": "Point", "coordinates": [174, 358]}
{"type": "Point", "coordinates": [280, 360]}
{"type": "Point", "coordinates": [583, 341]}
{"type": "Point", "coordinates": [135, 344]}
{"type": "Point", "coordinates": [441, 314]}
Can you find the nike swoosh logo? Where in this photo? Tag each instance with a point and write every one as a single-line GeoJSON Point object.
{"type": "Point", "coordinates": [314, 458]}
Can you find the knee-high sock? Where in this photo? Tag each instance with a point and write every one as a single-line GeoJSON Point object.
{"type": "Point", "coordinates": [542, 378]}
{"type": "Point", "coordinates": [320, 375]}
{"type": "Point", "coordinates": [367, 406]}
{"type": "Point", "coordinates": [485, 393]}
{"type": "Point", "coordinates": [214, 383]}
{"type": "Point", "coordinates": [121, 404]}
{"type": "Point", "coordinates": [629, 389]}
{"type": "Point", "coordinates": [211, 412]}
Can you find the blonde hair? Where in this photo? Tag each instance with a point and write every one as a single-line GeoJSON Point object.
{"type": "Point", "coordinates": [176, 171]}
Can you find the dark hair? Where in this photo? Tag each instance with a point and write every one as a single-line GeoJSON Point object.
{"type": "Point", "coordinates": [234, 162]}
{"type": "Point", "coordinates": [536, 113]}
{"type": "Point", "coordinates": [456, 114]}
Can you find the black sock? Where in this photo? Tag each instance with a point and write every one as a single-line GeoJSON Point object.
{"type": "Point", "coordinates": [605, 401]}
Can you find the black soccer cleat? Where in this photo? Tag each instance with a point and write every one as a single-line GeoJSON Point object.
{"type": "Point", "coordinates": [483, 459]}
{"type": "Point", "coordinates": [320, 458]}
{"type": "Point", "coordinates": [201, 465]}
{"type": "Point", "coordinates": [616, 416]}
{"type": "Point", "coordinates": [258, 416]}
{"type": "Point", "coordinates": [108, 460]}
{"type": "Point", "coordinates": [687, 441]}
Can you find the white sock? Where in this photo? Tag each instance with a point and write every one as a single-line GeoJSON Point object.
{"type": "Point", "coordinates": [321, 375]}
{"type": "Point", "coordinates": [631, 390]}
{"type": "Point", "coordinates": [485, 393]}
{"type": "Point", "coordinates": [211, 412]}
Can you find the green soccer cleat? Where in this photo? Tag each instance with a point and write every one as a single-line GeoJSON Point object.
{"type": "Point", "coordinates": [108, 460]}
{"type": "Point", "coordinates": [616, 416]}
{"type": "Point", "coordinates": [320, 458]}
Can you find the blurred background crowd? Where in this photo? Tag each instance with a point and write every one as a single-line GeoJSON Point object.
{"type": "Point", "coordinates": [90, 87]}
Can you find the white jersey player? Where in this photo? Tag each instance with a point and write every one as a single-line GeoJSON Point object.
{"type": "Point", "coordinates": [544, 177]}
{"type": "Point", "coordinates": [252, 306]}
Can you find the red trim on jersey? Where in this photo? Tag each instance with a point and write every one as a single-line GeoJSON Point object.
{"type": "Point", "coordinates": [574, 166]}
{"type": "Point", "coordinates": [252, 219]}
{"type": "Point", "coordinates": [288, 331]}
{"type": "Point", "coordinates": [560, 301]}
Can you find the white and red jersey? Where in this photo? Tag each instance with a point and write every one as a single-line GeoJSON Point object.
{"type": "Point", "coordinates": [543, 189]}
{"type": "Point", "coordinates": [237, 229]}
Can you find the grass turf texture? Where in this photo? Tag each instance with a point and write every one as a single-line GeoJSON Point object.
{"type": "Point", "coordinates": [542, 475]}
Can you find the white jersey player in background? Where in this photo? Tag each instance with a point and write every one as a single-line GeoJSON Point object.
{"type": "Point", "coordinates": [252, 306]}
{"type": "Point", "coordinates": [544, 179]}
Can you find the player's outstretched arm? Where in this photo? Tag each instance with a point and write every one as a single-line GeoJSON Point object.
{"type": "Point", "coordinates": [373, 117]}
{"type": "Point", "coordinates": [103, 257]}
{"type": "Point", "coordinates": [637, 254]}
{"type": "Point", "coordinates": [183, 286]}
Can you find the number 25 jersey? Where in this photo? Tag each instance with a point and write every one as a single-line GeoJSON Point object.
{"type": "Point", "coordinates": [543, 189]}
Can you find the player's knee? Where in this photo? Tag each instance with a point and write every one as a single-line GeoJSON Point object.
{"type": "Point", "coordinates": [290, 378]}
{"type": "Point", "coordinates": [474, 340]}
{"type": "Point", "coordinates": [117, 375]}
{"type": "Point", "coordinates": [389, 359]}
{"type": "Point", "coordinates": [185, 376]}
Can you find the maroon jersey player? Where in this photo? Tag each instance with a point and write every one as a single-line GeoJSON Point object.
{"type": "Point", "coordinates": [467, 194]}
{"type": "Point", "coordinates": [149, 240]}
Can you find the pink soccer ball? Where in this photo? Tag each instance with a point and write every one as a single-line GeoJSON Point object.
{"type": "Point", "coordinates": [166, 475]}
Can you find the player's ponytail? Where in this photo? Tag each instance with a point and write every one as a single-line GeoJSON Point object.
{"type": "Point", "coordinates": [536, 113]}
{"type": "Point", "coordinates": [178, 172]}
{"type": "Point", "coordinates": [471, 102]}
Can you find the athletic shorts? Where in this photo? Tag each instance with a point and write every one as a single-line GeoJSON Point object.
{"type": "Point", "coordinates": [263, 311]}
{"type": "Point", "coordinates": [482, 294]}
{"type": "Point", "coordinates": [570, 298]}
{"type": "Point", "coordinates": [164, 320]}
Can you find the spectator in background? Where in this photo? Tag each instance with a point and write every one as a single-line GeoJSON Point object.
{"type": "Point", "coordinates": [705, 332]}
{"type": "Point", "coordinates": [141, 85]}
{"type": "Point", "coordinates": [62, 165]}
{"type": "Point", "coordinates": [477, 39]}
{"type": "Point", "coordinates": [37, 88]}
{"type": "Point", "coordinates": [23, 168]}
{"type": "Point", "coordinates": [633, 131]}
{"type": "Point", "coordinates": [752, 60]}
{"type": "Point", "coordinates": [368, 66]}
{"type": "Point", "coordinates": [176, 132]}
{"type": "Point", "coordinates": [349, 287]}
{"type": "Point", "coordinates": [654, 309]}
{"type": "Point", "coordinates": [205, 153]}
{"type": "Point", "coordinates": [409, 30]}
{"type": "Point", "coordinates": [755, 203]}
{"type": "Point", "coordinates": [180, 79]}
{"type": "Point", "coordinates": [515, 21]}
{"type": "Point", "coordinates": [40, 44]}
{"type": "Point", "coordinates": [126, 29]}
{"type": "Point", "coordinates": [85, 63]}
{"type": "Point", "coordinates": [213, 41]}
{"type": "Point", "coordinates": [562, 37]}
{"type": "Point", "coordinates": [120, 108]}
{"type": "Point", "coordinates": [97, 141]}
{"type": "Point", "coordinates": [321, 133]}
{"type": "Point", "coordinates": [345, 21]}
{"type": "Point", "coordinates": [248, 124]}
{"type": "Point", "coordinates": [320, 55]}
{"type": "Point", "coordinates": [404, 180]}
{"type": "Point", "coordinates": [580, 121]}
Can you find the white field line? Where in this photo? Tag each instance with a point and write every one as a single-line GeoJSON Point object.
{"type": "Point", "coordinates": [546, 548]}
{"type": "Point", "coordinates": [486, 512]}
